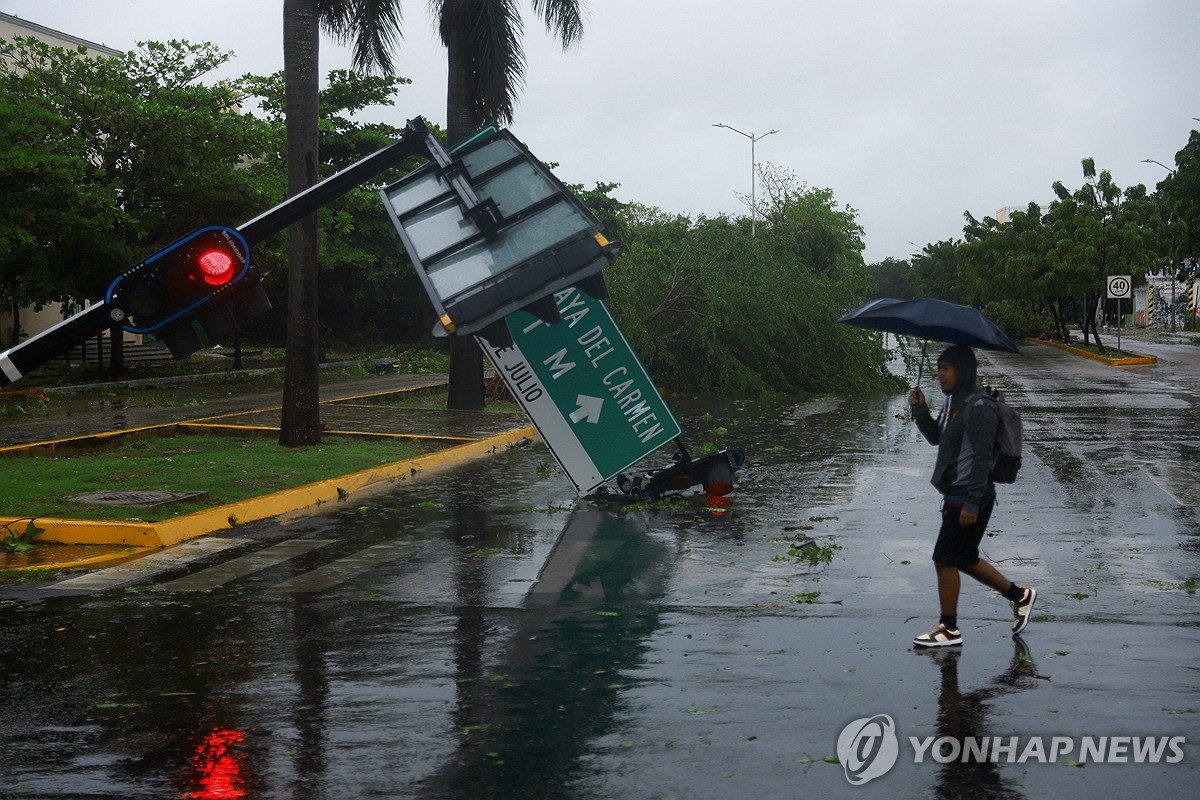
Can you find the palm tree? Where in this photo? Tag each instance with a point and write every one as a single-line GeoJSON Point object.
{"type": "Point", "coordinates": [486, 71]}
{"type": "Point", "coordinates": [373, 26]}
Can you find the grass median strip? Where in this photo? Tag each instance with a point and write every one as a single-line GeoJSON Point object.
{"type": "Point", "coordinates": [228, 468]}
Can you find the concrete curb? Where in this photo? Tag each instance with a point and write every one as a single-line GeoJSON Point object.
{"type": "Point", "coordinates": [294, 501]}
{"type": "Point", "coordinates": [1129, 361]}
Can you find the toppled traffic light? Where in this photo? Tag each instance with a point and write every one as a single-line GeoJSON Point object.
{"type": "Point", "coordinates": [198, 287]}
{"type": "Point", "coordinates": [714, 472]}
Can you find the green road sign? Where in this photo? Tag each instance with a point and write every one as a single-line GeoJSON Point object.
{"type": "Point", "coordinates": [591, 399]}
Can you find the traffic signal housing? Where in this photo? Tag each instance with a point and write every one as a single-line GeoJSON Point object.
{"type": "Point", "coordinates": [714, 472]}
{"type": "Point", "coordinates": [197, 287]}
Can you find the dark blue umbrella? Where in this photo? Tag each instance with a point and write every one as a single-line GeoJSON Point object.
{"type": "Point", "coordinates": [927, 318]}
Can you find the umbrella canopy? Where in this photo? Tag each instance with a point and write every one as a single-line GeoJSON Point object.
{"type": "Point", "coordinates": [927, 318]}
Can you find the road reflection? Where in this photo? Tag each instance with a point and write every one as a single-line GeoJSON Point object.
{"type": "Point", "coordinates": [965, 715]}
{"type": "Point", "coordinates": [217, 767]}
{"type": "Point", "coordinates": [309, 633]}
{"type": "Point", "coordinates": [554, 683]}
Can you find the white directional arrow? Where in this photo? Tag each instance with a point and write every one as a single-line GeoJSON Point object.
{"type": "Point", "coordinates": [589, 408]}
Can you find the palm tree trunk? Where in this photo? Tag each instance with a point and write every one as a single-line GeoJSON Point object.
{"type": "Point", "coordinates": [466, 360]}
{"type": "Point", "coordinates": [460, 106]}
{"type": "Point", "coordinates": [301, 420]}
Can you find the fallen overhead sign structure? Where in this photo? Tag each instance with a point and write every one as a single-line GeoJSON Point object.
{"type": "Point", "coordinates": [505, 252]}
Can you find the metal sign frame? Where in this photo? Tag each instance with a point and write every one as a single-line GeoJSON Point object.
{"type": "Point", "coordinates": [477, 231]}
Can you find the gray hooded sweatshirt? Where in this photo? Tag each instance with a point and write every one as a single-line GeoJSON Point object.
{"type": "Point", "coordinates": [964, 459]}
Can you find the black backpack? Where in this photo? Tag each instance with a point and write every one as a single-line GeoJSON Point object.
{"type": "Point", "coordinates": [1010, 433]}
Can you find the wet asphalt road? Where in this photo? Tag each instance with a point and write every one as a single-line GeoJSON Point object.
{"type": "Point", "coordinates": [470, 635]}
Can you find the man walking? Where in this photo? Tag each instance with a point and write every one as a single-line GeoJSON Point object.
{"type": "Point", "coordinates": [964, 434]}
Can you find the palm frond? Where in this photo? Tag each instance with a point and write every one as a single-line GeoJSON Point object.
{"type": "Point", "coordinates": [371, 27]}
{"type": "Point", "coordinates": [499, 59]}
{"type": "Point", "coordinates": [563, 18]}
{"type": "Point", "coordinates": [335, 17]}
{"type": "Point", "coordinates": [494, 53]}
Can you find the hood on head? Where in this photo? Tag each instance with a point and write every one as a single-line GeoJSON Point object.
{"type": "Point", "coordinates": [962, 359]}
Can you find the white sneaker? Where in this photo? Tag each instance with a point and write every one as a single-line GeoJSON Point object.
{"type": "Point", "coordinates": [941, 636]}
{"type": "Point", "coordinates": [1023, 609]}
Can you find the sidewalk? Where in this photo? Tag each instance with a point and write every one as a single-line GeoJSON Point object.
{"type": "Point", "coordinates": [353, 407]}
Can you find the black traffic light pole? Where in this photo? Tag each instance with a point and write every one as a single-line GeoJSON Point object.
{"type": "Point", "coordinates": [417, 139]}
{"type": "Point", "coordinates": [37, 350]}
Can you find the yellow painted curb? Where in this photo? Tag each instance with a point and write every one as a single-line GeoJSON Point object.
{"type": "Point", "coordinates": [298, 499]}
{"type": "Point", "coordinates": [92, 442]}
{"type": "Point", "coordinates": [88, 531]}
{"type": "Point", "coordinates": [1130, 361]}
{"type": "Point", "coordinates": [90, 561]}
{"type": "Point", "coordinates": [421, 389]}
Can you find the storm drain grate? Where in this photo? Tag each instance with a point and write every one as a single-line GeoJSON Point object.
{"type": "Point", "coordinates": [136, 498]}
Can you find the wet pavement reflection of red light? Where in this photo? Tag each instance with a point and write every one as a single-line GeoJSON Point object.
{"type": "Point", "coordinates": [217, 768]}
{"type": "Point", "coordinates": [719, 504]}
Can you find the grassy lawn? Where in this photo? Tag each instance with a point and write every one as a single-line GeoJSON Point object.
{"type": "Point", "coordinates": [228, 468]}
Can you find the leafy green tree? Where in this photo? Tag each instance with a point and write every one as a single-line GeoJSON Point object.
{"type": "Point", "coordinates": [369, 290]}
{"type": "Point", "coordinates": [1019, 289]}
{"type": "Point", "coordinates": [105, 160]}
{"type": "Point", "coordinates": [939, 271]}
{"type": "Point", "coordinates": [711, 308]}
{"type": "Point", "coordinates": [1095, 231]}
{"type": "Point", "coordinates": [1180, 195]}
{"type": "Point", "coordinates": [1049, 265]}
{"type": "Point", "coordinates": [892, 277]}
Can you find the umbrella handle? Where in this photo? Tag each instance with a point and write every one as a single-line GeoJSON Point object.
{"type": "Point", "coordinates": [921, 366]}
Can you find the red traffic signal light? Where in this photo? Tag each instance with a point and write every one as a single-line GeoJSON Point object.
{"type": "Point", "coordinates": [217, 267]}
{"type": "Point", "coordinates": [176, 282]}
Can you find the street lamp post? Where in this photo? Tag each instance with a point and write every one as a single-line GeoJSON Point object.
{"type": "Point", "coordinates": [1164, 166]}
{"type": "Point", "coordinates": [753, 167]}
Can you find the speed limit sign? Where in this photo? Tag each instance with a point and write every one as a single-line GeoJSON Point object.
{"type": "Point", "coordinates": [1120, 287]}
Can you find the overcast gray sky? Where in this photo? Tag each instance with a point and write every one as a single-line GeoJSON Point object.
{"type": "Point", "coordinates": [911, 112]}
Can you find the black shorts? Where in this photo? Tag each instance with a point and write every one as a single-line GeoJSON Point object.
{"type": "Point", "coordinates": [959, 546]}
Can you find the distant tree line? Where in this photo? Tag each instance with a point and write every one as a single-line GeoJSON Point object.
{"type": "Point", "coordinates": [105, 160]}
{"type": "Point", "coordinates": [1043, 271]}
